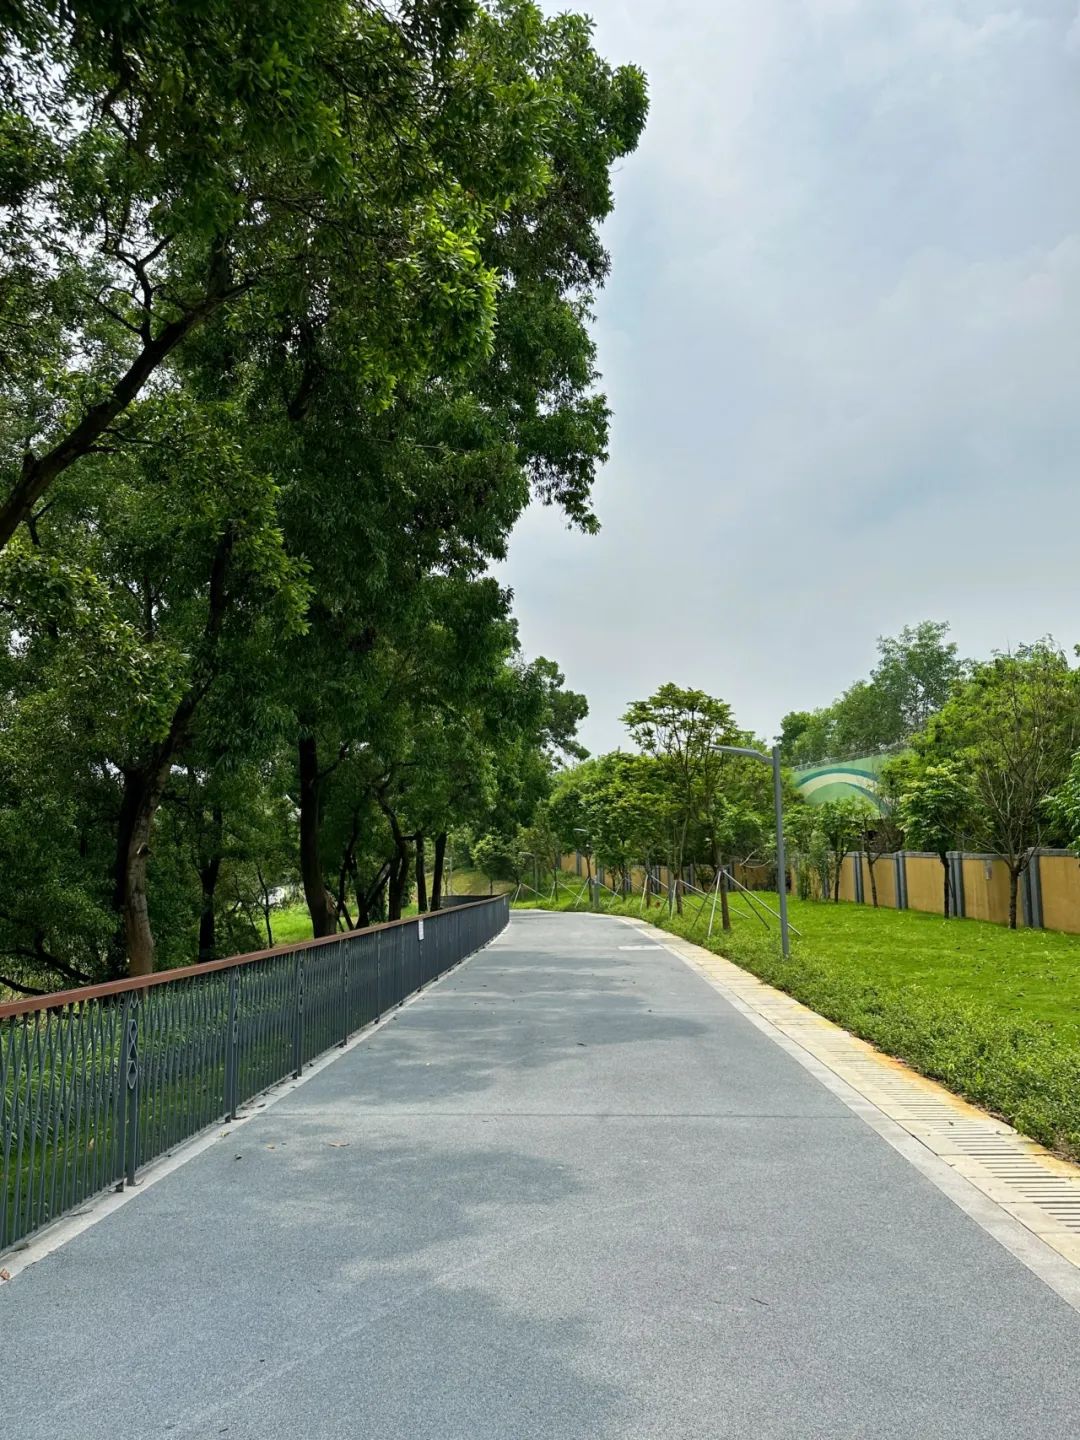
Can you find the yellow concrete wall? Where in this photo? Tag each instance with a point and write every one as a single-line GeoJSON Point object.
{"type": "Point", "coordinates": [925, 884]}
{"type": "Point", "coordinates": [754, 877]}
{"type": "Point", "coordinates": [986, 886]}
{"type": "Point", "coordinates": [885, 875]}
{"type": "Point", "coordinates": [847, 878]}
{"type": "Point", "coordinates": [986, 891]}
{"type": "Point", "coordinates": [1060, 876]}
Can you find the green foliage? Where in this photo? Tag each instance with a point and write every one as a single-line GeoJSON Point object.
{"type": "Point", "coordinates": [294, 308]}
{"type": "Point", "coordinates": [1007, 737]}
{"type": "Point", "coordinates": [680, 730]}
{"type": "Point", "coordinates": [841, 823]}
{"type": "Point", "coordinates": [1063, 806]}
{"type": "Point", "coordinates": [496, 856]}
{"type": "Point", "coordinates": [617, 807]}
{"type": "Point", "coordinates": [915, 674]}
{"type": "Point", "coordinates": [937, 807]}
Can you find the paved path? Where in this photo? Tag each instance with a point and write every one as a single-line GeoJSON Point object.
{"type": "Point", "coordinates": [568, 1195]}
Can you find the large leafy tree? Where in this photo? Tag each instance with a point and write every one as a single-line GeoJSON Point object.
{"type": "Point", "coordinates": [937, 809]}
{"type": "Point", "coordinates": [681, 728]}
{"type": "Point", "coordinates": [913, 678]}
{"type": "Point", "coordinates": [618, 807]}
{"type": "Point", "coordinates": [172, 162]}
{"type": "Point", "coordinates": [1009, 734]}
{"type": "Point", "coordinates": [299, 304]}
{"type": "Point", "coordinates": [143, 612]}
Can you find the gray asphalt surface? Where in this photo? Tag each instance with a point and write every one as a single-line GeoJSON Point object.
{"type": "Point", "coordinates": [568, 1195]}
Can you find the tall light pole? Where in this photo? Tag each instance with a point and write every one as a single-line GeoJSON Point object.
{"type": "Point", "coordinates": [778, 803]}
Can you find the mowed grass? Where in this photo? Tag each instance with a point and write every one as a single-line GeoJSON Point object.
{"type": "Point", "coordinates": [992, 1013]}
{"type": "Point", "coordinates": [290, 924]}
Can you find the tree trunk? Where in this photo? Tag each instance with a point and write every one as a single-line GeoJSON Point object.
{"type": "Point", "coordinates": [264, 893]}
{"type": "Point", "coordinates": [144, 786]}
{"type": "Point", "coordinates": [947, 893]}
{"type": "Point", "coordinates": [209, 870]}
{"type": "Point", "coordinates": [870, 863]}
{"type": "Point", "coordinates": [437, 873]}
{"type": "Point", "coordinates": [836, 879]}
{"type": "Point", "coordinates": [399, 882]}
{"type": "Point", "coordinates": [1014, 886]}
{"type": "Point", "coordinates": [725, 906]}
{"type": "Point", "coordinates": [369, 902]}
{"type": "Point", "coordinates": [143, 789]}
{"type": "Point", "coordinates": [320, 902]}
{"type": "Point", "coordinates": [393, 891]}
{"type": "Point", "coordinates": [132, 852]}
{"type": "Point", "coordinates": [421, 877]}
{"type": "Point", "coordinates": [207, 918]}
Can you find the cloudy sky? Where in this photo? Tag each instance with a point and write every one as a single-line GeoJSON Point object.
{"type": "Point", "coordinates": [842, 344]}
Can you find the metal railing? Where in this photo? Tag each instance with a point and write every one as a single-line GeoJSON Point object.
{"type": "Point", "coordinates": [96, 1083]}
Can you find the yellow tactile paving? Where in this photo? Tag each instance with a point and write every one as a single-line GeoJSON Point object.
{"type": "Point", "coordinates": [1025, 1180]}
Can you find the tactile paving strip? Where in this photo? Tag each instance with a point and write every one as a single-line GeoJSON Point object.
{"type": "Point", "coordinates": [1035, 1187]}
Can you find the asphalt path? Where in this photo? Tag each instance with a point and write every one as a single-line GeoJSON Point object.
{"type": "Point", "coordinates": [568, 1194]}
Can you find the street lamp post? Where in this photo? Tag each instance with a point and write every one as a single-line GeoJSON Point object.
{"type": "Point", "coordinates": [778, 803]}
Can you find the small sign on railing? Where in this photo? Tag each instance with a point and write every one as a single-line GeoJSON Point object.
{"type": "Point", "coordinates": [420, 929]}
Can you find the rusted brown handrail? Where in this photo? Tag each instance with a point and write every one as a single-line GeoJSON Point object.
{"type": "Point", "coordinates": [30, 1003]}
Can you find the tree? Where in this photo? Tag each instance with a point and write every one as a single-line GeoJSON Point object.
{"type": "Point", "coordinates": [620, 804]}
{"type": "Point", "coordinates": [841, 823]}
{"type": "Point", "coordinates": [880, 836]}
{"type": "Point", "coordinates": [302, 323]}
{"type": "Point", "coordinates": [541, 839]}
{"type": "Point", "coordinates": [1063, 806]}
{"type": "Point", "coordinates": [155, 592]}
{"type": "Point", "coordinates": [915, 674]}
{"type": "Point", "coordinates": [937, 807]}
{"type": "Point", "coordinates": [497, 857]}
{"type": "Point", "coordinates": [810, 849]}
{"type": "Point", "coordinates": [1011, 729]}
{"type": "Point", "coordinates": [178, 162]}
{"type": "Point", "coordinates": [681, 728]}
{"type": "Point", "coordinates": [735, 829]}
{"type": "Point", "coordinates": [864, 720]}
{"type": "Point", "coordinates": [805, 736]}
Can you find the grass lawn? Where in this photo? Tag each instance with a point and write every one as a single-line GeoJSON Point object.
{"type": "Point", "coordinates": [292, 923]}
{"type": "Point", "coordinates": [992, 1013]}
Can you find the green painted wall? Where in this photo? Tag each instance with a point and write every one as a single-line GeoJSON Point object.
{"type": "Point", "coordinates": [841, 781]}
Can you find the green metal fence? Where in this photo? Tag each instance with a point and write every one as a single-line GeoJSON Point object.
{"type": "Point", "coordinates": [95, 1083]}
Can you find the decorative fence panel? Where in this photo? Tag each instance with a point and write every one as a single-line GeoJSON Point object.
{"type": "Point", "coordinates": [95, 1083]}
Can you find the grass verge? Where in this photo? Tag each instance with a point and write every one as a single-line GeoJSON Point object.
{"type": "Point", "coordinates": [991, 1013]}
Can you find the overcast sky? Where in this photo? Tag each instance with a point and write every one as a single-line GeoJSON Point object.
{"type": "Point", "coordinates": [841, 341]}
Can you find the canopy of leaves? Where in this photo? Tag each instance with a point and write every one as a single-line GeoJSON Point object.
{"type": "Point", "coordinates": [294, 322]}
{"type": "Point", "coordinates": [914, 676]}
